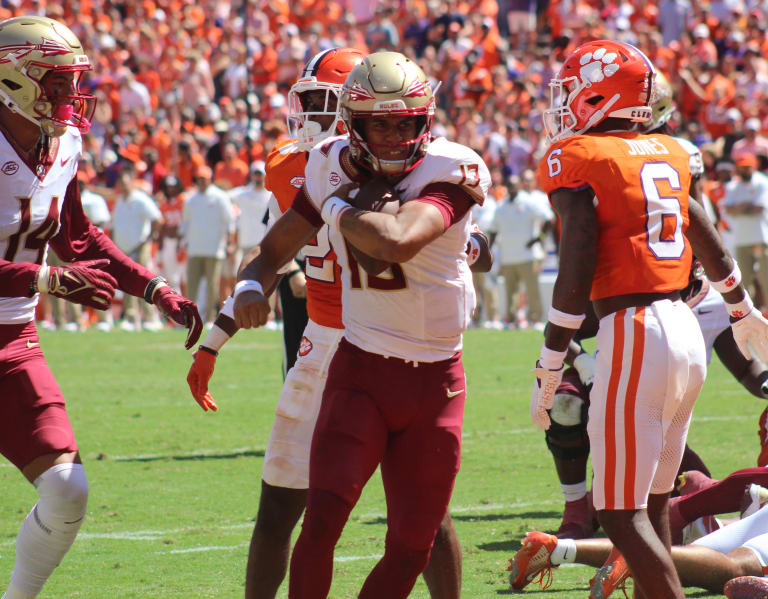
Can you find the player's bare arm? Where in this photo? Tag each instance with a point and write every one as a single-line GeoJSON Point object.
{"type": "Point", "coordinates": [393, 238]}
{"type": "Point", "coordinates": [578, 255]}
{"type": "Point", "coordinates": [708, 247]}
{"type": "Point", "coordinates": [289, 234]}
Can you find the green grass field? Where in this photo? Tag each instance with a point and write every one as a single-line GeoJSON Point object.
{"type": "Point", "coordinates": [174, 490]}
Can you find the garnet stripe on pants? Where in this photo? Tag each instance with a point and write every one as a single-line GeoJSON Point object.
{"type": "Point", "coordinates": [610, 410]}
{"type": "Point", "coordinates": [630, 435]}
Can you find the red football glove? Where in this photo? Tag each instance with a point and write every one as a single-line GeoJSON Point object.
{"type": "Point", "coordinates": [181, 310]}
{"type": "Point", "coordinates": [199, 374]}
{"type": "Point", "coordinates": [80, 282]}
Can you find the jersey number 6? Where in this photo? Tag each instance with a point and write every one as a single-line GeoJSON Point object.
{"type": "Point", "coordinates": [664, 220]}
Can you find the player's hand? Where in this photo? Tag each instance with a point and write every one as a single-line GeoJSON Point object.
{"type": "Point", "coordinates": [180, 310]}
{"type": "Point", "coordinates": [80, 282]}
{"type": "Point", "coordinates": [251, 310]}
{"type": "Point", "coordinates": [585, 365]}
{"type": "Point", "coordinates": [543, 396]}
{"type": "Point", "coordinates": [752, 331]}
{"type": "Point", "coordinates": [199, 374]}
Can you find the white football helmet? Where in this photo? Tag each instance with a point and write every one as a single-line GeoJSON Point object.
{"type": "Point", "coordinates": [31, 48]}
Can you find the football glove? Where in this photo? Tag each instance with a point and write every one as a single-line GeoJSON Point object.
{"type": "Point", "coordinates": [752, 330]}
{"type": "Point", "coordinates": [199, 374]}
{"type": "Point", "coordinates": [181, 310]}
{"type": "Point", "coordinates": [80, 283]}
{"type": "Point", "coordinates": [543, 396]}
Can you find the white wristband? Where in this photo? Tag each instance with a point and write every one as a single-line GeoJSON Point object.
{"type": "Point", "coordinates": [42, 279]}
{"type": "Point", "coordinates": [565, 320]}
{"type": "Point", "coordinates": [730, 282]}
{"type": "Point", "coordinates": [333, 209]}
{"type": "Point", "coordinates": [740, 309]}
{"type": "Point", "coordinates": [474, 251]}
{"type": "Point", "coordinates": [215, 339]}
{"type": "Point", "coordinates": [247, 285]}
{"type": "Point", "coordinates": [551, 359]}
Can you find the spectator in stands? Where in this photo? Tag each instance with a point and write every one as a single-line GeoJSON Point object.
{"type": "Point", "coordinates": [752, 143]}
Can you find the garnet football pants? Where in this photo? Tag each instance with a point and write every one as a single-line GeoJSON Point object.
{"type": "Point", "coordinates": [406, 417]}
{"type": "Point", "coordinates": [33, 417]}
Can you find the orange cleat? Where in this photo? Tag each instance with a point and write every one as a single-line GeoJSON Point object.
{"type": "Point", "coordinates": [746, 587]}
{"type": "Point", "coordinates": [532, 560]}
{"type": "Point", "coordinates": [611, 576]}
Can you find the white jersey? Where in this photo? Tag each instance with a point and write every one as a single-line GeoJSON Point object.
{"type": "Point", "coordinates": [29, 212]}
{"type": "Point", "coordinates": [416, 310]}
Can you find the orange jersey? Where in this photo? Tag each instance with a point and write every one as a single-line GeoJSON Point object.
{"type": "Point", "coordinates": [284, 177]}
{"type": "Point", "coordinates": [641, 183]}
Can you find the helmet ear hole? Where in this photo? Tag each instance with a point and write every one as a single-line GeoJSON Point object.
{"type": "Point", "coordinates": [595, 100]}
{"type": "Point", "coordinates": [11, 85]}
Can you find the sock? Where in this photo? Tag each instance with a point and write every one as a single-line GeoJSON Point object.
{"type": "Point", "coordinates": [574, 492]}
{"type": "Point", "coordinates": [564, 552]}
{"type": "Point", "coordinates": [49, 529]}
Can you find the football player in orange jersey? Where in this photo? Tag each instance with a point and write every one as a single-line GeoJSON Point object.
{"type": "Point", "coordinates": [628, 232]}
{"type": "Point", "coordinates": [312, 118]}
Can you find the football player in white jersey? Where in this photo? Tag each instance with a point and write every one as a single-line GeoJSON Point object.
{"type": "Point", "coordinates": [395, 389]}
{"type": "Point", "coordinates": [42, 114]}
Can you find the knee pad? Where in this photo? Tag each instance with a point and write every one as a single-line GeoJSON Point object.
{"type": "Point", "coordinates": [567, 437]}
{"type": "Point", "coordinates": [63, 490]}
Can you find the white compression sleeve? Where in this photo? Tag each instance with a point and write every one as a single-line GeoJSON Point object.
{"type": "Point", "coordinates": [49, 529]}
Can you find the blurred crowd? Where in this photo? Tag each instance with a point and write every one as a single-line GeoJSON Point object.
{"type": "Point", "coordinates": [183, 85]}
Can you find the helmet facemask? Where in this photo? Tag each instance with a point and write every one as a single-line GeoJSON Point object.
{"type": "Point", "coordinates": [56, 112]}
{"type": "Point", "coordinates": [368, 153]}
{"type": "Point", "coordinates": [303, 113]}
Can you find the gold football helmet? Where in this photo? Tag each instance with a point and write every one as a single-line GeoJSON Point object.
{"type": "Point", "coordinates": [662, 103]}
{"type": "Point", "coordinates": [31, 48]}
{"type": "Point", "coordinates": [384, 85]}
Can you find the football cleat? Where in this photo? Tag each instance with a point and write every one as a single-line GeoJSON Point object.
{"type": "Point", "coordinates": [746, 587]}
{"type": "Point", "coordinates": [532, 561]}
{"type": "Point", "coordinates": [611, 576]}
{"type": "Point", "coordinates": [578, 521]}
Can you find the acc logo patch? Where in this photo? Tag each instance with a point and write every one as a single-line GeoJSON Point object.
{"type": "Point", "coordinates": [334, 178]}
{"type": "Point", "coordinates": [10, 167]}
{"type": "Point", "coordinates": [297, 181]}
{"type": "Point", "coordinates": [305, 346]}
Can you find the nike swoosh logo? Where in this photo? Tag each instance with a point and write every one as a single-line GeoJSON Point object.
{"type": "Point", "coordinates": [63, 162]}
{"type": "Point", "coordinates": [450, 393]}
{"type": "Point", "coordinates": [31, 344]}
{"type": "Point", "coordinates": [704, 311]}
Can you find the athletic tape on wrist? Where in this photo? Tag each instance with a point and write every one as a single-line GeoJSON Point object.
{"type": "Point", "coordinates": [740, 309]}
{"type": "Point", "coordinates": [247, 285]}
{"type": "Point", "coordinates": [551, 359]}
{"type": "Point", "coordinates": [730, 282]}
{"type": "Point", "coordinates": [565, 320]}
{"type": "Point", "coordinates": [332, 210]}
{"type": "Point", "coordinates": [42, 278]}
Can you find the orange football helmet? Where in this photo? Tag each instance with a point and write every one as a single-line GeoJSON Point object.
{"type": "Point", "coordinates": [325, 72]}
{"type": "Point", "coordinates": [600, 79]}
